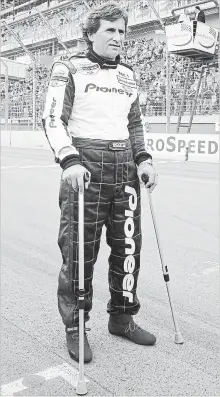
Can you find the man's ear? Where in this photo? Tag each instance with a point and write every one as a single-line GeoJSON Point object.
{"type": "Point", "coordinates": [90, 37]}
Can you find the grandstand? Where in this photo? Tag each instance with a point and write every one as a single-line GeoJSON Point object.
{"type": "Point", "coordinates": [34, 33]}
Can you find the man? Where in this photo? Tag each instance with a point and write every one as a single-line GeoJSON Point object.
{"type": "Point", "coordinates": [93, 123]}
{"type": "Point", "coordinates": [199, 14]}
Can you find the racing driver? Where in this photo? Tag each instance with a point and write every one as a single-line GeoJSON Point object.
{"type": "Point", "coordinates": [93, 123]}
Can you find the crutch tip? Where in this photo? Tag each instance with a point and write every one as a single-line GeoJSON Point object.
{"type": "Point", "coordinates": [81, 388]}
{"type": "Point", "coordinates": [178, 338]}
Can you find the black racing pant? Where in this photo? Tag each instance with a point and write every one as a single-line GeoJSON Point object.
{"type": "Point", "coordinates": [113, 200]}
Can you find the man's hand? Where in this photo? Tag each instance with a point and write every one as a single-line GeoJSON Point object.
{"type": "Point", "coordinates": [148, 169]}
{"type": "Point", "coordinates": [77, 176]}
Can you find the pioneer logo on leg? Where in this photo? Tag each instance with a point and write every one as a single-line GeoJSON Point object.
{"type": "Point", "coordinates": [129, 262]}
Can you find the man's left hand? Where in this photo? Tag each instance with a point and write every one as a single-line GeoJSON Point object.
{"type": "Point", "coordinates": [148, 169]}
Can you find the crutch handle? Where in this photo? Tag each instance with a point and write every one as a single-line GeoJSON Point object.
{"type": "Point", "coordinates": [86, 181]}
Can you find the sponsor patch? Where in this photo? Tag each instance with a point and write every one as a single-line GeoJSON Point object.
{"type": "Point", "coordinates": [59, 76]}
{"type": "Point", "coordinates": [127, 81]}
{"type": "Point", "coordinates": [117, 145]}
{"type": "Point", "coordinates": [128, 90]}
{"type": "Point", "coordinates": [58, 81]}
{"type": "Point", "coordinates": [87, 68]}
{"type": "Point", "coordinates": [128, 84]}
{"type": "Point", "coordinates": [123, 74]}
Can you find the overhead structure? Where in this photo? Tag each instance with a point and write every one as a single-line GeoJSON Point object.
{"type": "Point", "coordinates": [192, 39]}
{"type": "Point", "coordinates": [209, 5]}
{"type": "Point", "coordinates": [199, 43]}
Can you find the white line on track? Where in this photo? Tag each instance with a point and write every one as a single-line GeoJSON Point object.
{"type": "Point", "coordinates": [30, 166]}
{"type": "Point", "coordinates": [167, 161]}
{"type": "Point", "coordinates": [39, 166]}
{"type": "Point", "coordinates": [211, 270]}
{"type": "Point", "coordinates": [206, 272]}
{"type": "Point", "coordinates": [9, 166]}
{"type": "Point", "coordinates": [65, 371]}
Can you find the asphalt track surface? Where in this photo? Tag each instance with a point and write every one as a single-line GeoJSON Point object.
{"type": "Point", "coordinates": [35, 361]}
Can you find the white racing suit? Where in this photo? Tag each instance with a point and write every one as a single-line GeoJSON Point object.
{"type": "Point", "coordinates": [92, 117]}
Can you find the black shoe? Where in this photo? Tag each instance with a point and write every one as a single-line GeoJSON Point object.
{"type": "Point", "coordinates": [72, 339]}
{"type": "Point", "coordinates": [124, 325]}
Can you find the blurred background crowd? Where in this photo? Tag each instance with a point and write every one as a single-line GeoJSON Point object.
{"type": "Point", "coordinates": [20, 94]}
{"type": "Point", "coordinates": [6, 4]}
{"type": "Point", "coordinates": [148, 57]}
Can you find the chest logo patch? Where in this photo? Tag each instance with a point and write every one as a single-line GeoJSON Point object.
{"type": "Point", "coordinates": [87, 68]}
{"type": "Point", "coordinates": [129, 85]}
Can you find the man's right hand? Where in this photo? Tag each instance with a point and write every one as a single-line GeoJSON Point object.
{"type": "Point", "coordinates": [77, 176]}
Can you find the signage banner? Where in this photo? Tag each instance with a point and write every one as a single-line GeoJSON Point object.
{"type": "Point", "coordinates": [179, 36]}
{"type": "Point", "coordinates": [205, 38]}
{"type": "Point", "coordinates": [198, 147]}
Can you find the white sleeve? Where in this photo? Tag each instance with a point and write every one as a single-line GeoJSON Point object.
{"type": "Point", "coordinates": [57, 111]}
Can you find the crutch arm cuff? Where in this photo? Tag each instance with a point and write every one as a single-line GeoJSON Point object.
{"type": "Point", "coordinates": [142, 156]}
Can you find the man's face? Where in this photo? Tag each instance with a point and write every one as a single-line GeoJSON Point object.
{"type": "Point", "coordinates": [109, 38]}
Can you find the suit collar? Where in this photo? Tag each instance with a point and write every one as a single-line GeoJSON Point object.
{"type": "Point", "coordinates": [104, 63]}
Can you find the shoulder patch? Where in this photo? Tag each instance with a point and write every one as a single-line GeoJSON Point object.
{"type": "Point", "coordinates": [127, 66]}
{"type": "Point", "coordinates": [66, 64]}
{"type": "Point", "coordinates": [59, 74]}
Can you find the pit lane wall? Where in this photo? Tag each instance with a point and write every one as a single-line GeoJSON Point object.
{"type": "Point", "coordinates": [202, 124]}
{"type": "Point", "coordinates": [191, 147]}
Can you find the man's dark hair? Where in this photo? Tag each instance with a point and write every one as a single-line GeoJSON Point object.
{"type": "Point", "coordinates": [198, 8]}
{"type": "Point", "coordinates": [109, 11]}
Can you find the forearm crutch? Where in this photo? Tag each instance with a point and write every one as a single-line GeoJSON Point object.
{"type": "Point", "coordinates": [178, 337]}
{"type": "Point", "coordinates": [81, 388]}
